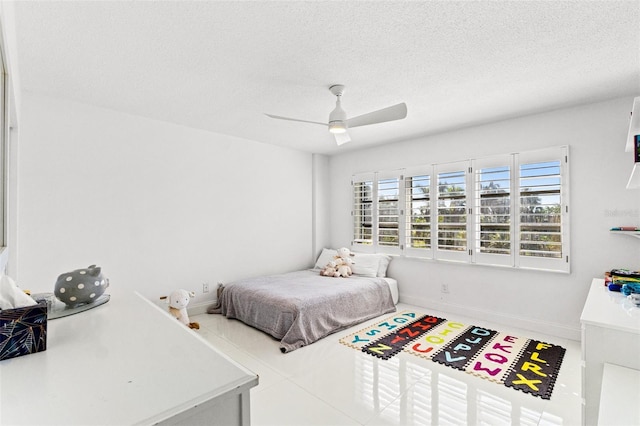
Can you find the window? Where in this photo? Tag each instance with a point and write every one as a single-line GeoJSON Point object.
{"type": "Point", "coordinates": [543, 210]}
{"type": "Point", "coordinates": [388, 209]}
{"type": "Point", "coordinates": [417, 186]}
{"type": "Point", "coordinates": [363, 210]}
{"type": "Point", "coordinates": [510, 210]}
{"type": "Point", "coordinates": [493, 203]}
{"type": "Point", "coordinates": [4, 135]}
{"type": "Point", "coordinates": [376, 212]}
{"type": "Point", "coordinates": [452, 211]}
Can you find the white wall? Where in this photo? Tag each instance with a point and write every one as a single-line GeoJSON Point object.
{"type": "Point", "coordinates": [321, 203]}
{"type": "Point", "coordinates": [157, 205]}
{"type": "Point", "coordinates": [599, 170]}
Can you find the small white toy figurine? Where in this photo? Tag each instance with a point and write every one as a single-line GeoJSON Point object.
{"type": "Point", "coordinates": [178, 301]}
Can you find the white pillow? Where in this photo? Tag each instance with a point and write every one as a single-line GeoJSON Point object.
{"type": "Point", "coordinates": [366, 265]}
{"type": "Point", "coordinates": [382, 266]}
{"type": "Point", "coordinates": [325, 257]}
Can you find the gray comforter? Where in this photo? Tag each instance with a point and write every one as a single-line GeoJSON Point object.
{"type": "Point", "coordinates": [301, 307]}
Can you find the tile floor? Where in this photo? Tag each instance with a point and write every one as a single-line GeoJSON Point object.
{"type": "Point", "coordinates": [327, 383]}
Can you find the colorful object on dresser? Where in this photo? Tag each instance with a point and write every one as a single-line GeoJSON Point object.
{"type": "Point", "coordinates": [178, 301]}
{"type": "Point", "coordinates": [23, 322]}
{"type": "Point", "coordinates": [528, 365]}
{"type": "Point", "coordinates": [340, 266]}
{"type": "Point", "coordinates": [616, 279]}
{"type": "Point", "coordinates": [81, 286]}
{"type": "Point", "coordinates": [23, 331]}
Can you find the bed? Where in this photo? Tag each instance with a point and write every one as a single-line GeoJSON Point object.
{"type": "Point", "coordinates": [301, 307]}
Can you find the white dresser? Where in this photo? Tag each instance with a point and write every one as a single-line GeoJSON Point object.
{"type": "Point", "coordinates": [122, 363]}
{"type": "Point", "coordinates": [610, 334]}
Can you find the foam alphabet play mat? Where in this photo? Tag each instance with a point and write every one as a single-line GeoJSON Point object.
{"type": "Point", "coordinates": [528, 365]}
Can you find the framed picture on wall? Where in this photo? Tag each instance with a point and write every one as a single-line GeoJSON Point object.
{"type": "Point", "coordinates": [636, 149]}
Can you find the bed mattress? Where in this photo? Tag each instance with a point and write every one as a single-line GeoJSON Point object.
{"type": "Point", "coordinates": [393, 287]}
{"type": "Point", "coordinates": [301, 307]}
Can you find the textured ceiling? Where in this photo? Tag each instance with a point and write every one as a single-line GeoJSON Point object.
{"type": "Point", "coordinates": [220, 65]}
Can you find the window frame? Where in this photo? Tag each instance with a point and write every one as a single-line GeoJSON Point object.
{"type": "Point", "coordinates": [471, 169]}
{"type": "Point", "coordinates": [409, 249]}
{"type": "Point", "coordinates": [4, 153]}
{"type": "Point", "coordinates": [382, 177]}
{"type": "Point", "coordinates": [363, 244]}
{"type": "Point", "coordinates": [478, 256]}
{"type": "Point", "coordinates": [560, 264]}
{"type": "Point", "coordinates": [454, 169]}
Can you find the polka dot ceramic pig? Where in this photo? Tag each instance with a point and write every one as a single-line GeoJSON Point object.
{"type": "Point", "coordinates": [81, 286]}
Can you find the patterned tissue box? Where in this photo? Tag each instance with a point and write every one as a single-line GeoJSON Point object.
{"type": "Point", "coordinates": [23, 331]}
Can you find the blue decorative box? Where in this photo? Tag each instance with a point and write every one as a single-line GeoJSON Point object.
{"type": "Point", "coordinates": [23, 331]}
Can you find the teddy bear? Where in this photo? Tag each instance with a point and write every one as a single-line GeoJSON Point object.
{"type": "Point", "coordinates": [344, 262]}
{"type": "Point", "coordinates": [330, 270]}
{"type": "Point", "coordinates": [340, 266]}
{"type": "Point", "coordinates": [344, 269]}
{"type": "Point", "coordinates": [178, 301]}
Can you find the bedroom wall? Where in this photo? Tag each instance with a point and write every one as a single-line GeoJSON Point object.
{"type": "Point", "coordinates": [157, 205]}
{"type": "Point", "coordinates": [599, 170]}
{"type": "Point", "coordinates": [321, 203]}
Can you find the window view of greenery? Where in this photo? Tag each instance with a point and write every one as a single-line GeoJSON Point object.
{"type": "Point", "coordinates": [452, 211]}
{"type": "Point", "coordinates": [493, 197]}
{"type": "Point", "coordinates": [508, 209]}
{"type": "Point", "coordinates": [388, 212]}
{"type": "Point", "coordinates": [540, 215]}
{"type": "Point", "coordinates": [418, 228]}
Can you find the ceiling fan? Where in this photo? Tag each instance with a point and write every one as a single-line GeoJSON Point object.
{"type": "Point", "coordinates": [339, 123]}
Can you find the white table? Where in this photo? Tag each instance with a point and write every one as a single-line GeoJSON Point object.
{"type": "Point", "coordinates": [610, 334]}
{"type": "Point", "coordinates": [125, 362]}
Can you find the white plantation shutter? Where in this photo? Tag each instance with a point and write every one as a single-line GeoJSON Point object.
{"type": "Point", "coordinates": [452, 213]}
{"type": "Point", "coordinates": [543, 209]}
{"type": "Point", "coordinates": [493, 206]}
{"type": "Point", "coordinates": [363, 200]}
{"type": "Point", "coordinates": [509, 210]}
{"type": "Point", "coordinates": [388, 211]}
{"type": "Point", "coordinates": [377, 212]}
{"type": "Point", "coordinates": [417, 184]}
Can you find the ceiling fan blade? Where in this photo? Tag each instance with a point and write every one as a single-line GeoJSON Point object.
{"type": "Point", "coordinates": [294, 119]}
{"type": "Point", "coordinates": [342, 138]}
{"type": "Point", "coordinates": [395, 112]}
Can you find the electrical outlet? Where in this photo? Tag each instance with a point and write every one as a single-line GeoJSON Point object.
{"type": "Point", "coordinates": [444, 288]}
{"type": "Point", "coordinates": [205, 287]}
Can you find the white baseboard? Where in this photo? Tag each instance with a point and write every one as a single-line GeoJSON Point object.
{"type": "Point", "coordinates": [552, 328]}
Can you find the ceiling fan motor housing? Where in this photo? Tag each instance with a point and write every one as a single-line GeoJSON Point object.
{"type": "Point", "coordinates": [338, 117]}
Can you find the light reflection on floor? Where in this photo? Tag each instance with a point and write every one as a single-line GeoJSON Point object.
{"type": "Point", "coordinates": [328, 383]}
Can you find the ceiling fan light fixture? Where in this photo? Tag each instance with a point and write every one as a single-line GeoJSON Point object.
{"type": "Point", "coordinates": [337, 127]}
{"type": "Point", "coordinates": [338, 122]}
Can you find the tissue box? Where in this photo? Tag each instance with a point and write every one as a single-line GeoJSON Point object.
{"type": "Point", "coordinates": [23, 331]}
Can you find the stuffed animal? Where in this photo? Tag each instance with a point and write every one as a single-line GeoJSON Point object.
{"type": "Point", "coordinates": [330, 270]}
{"type": "Point", "coordinates": [341, 265]}
{"type": "Point", "coordinates": [178, 301]}
{"type": "Point", "coordinates": [344, 261]}
{"type": "Point", "coordinates": [344, 270]}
